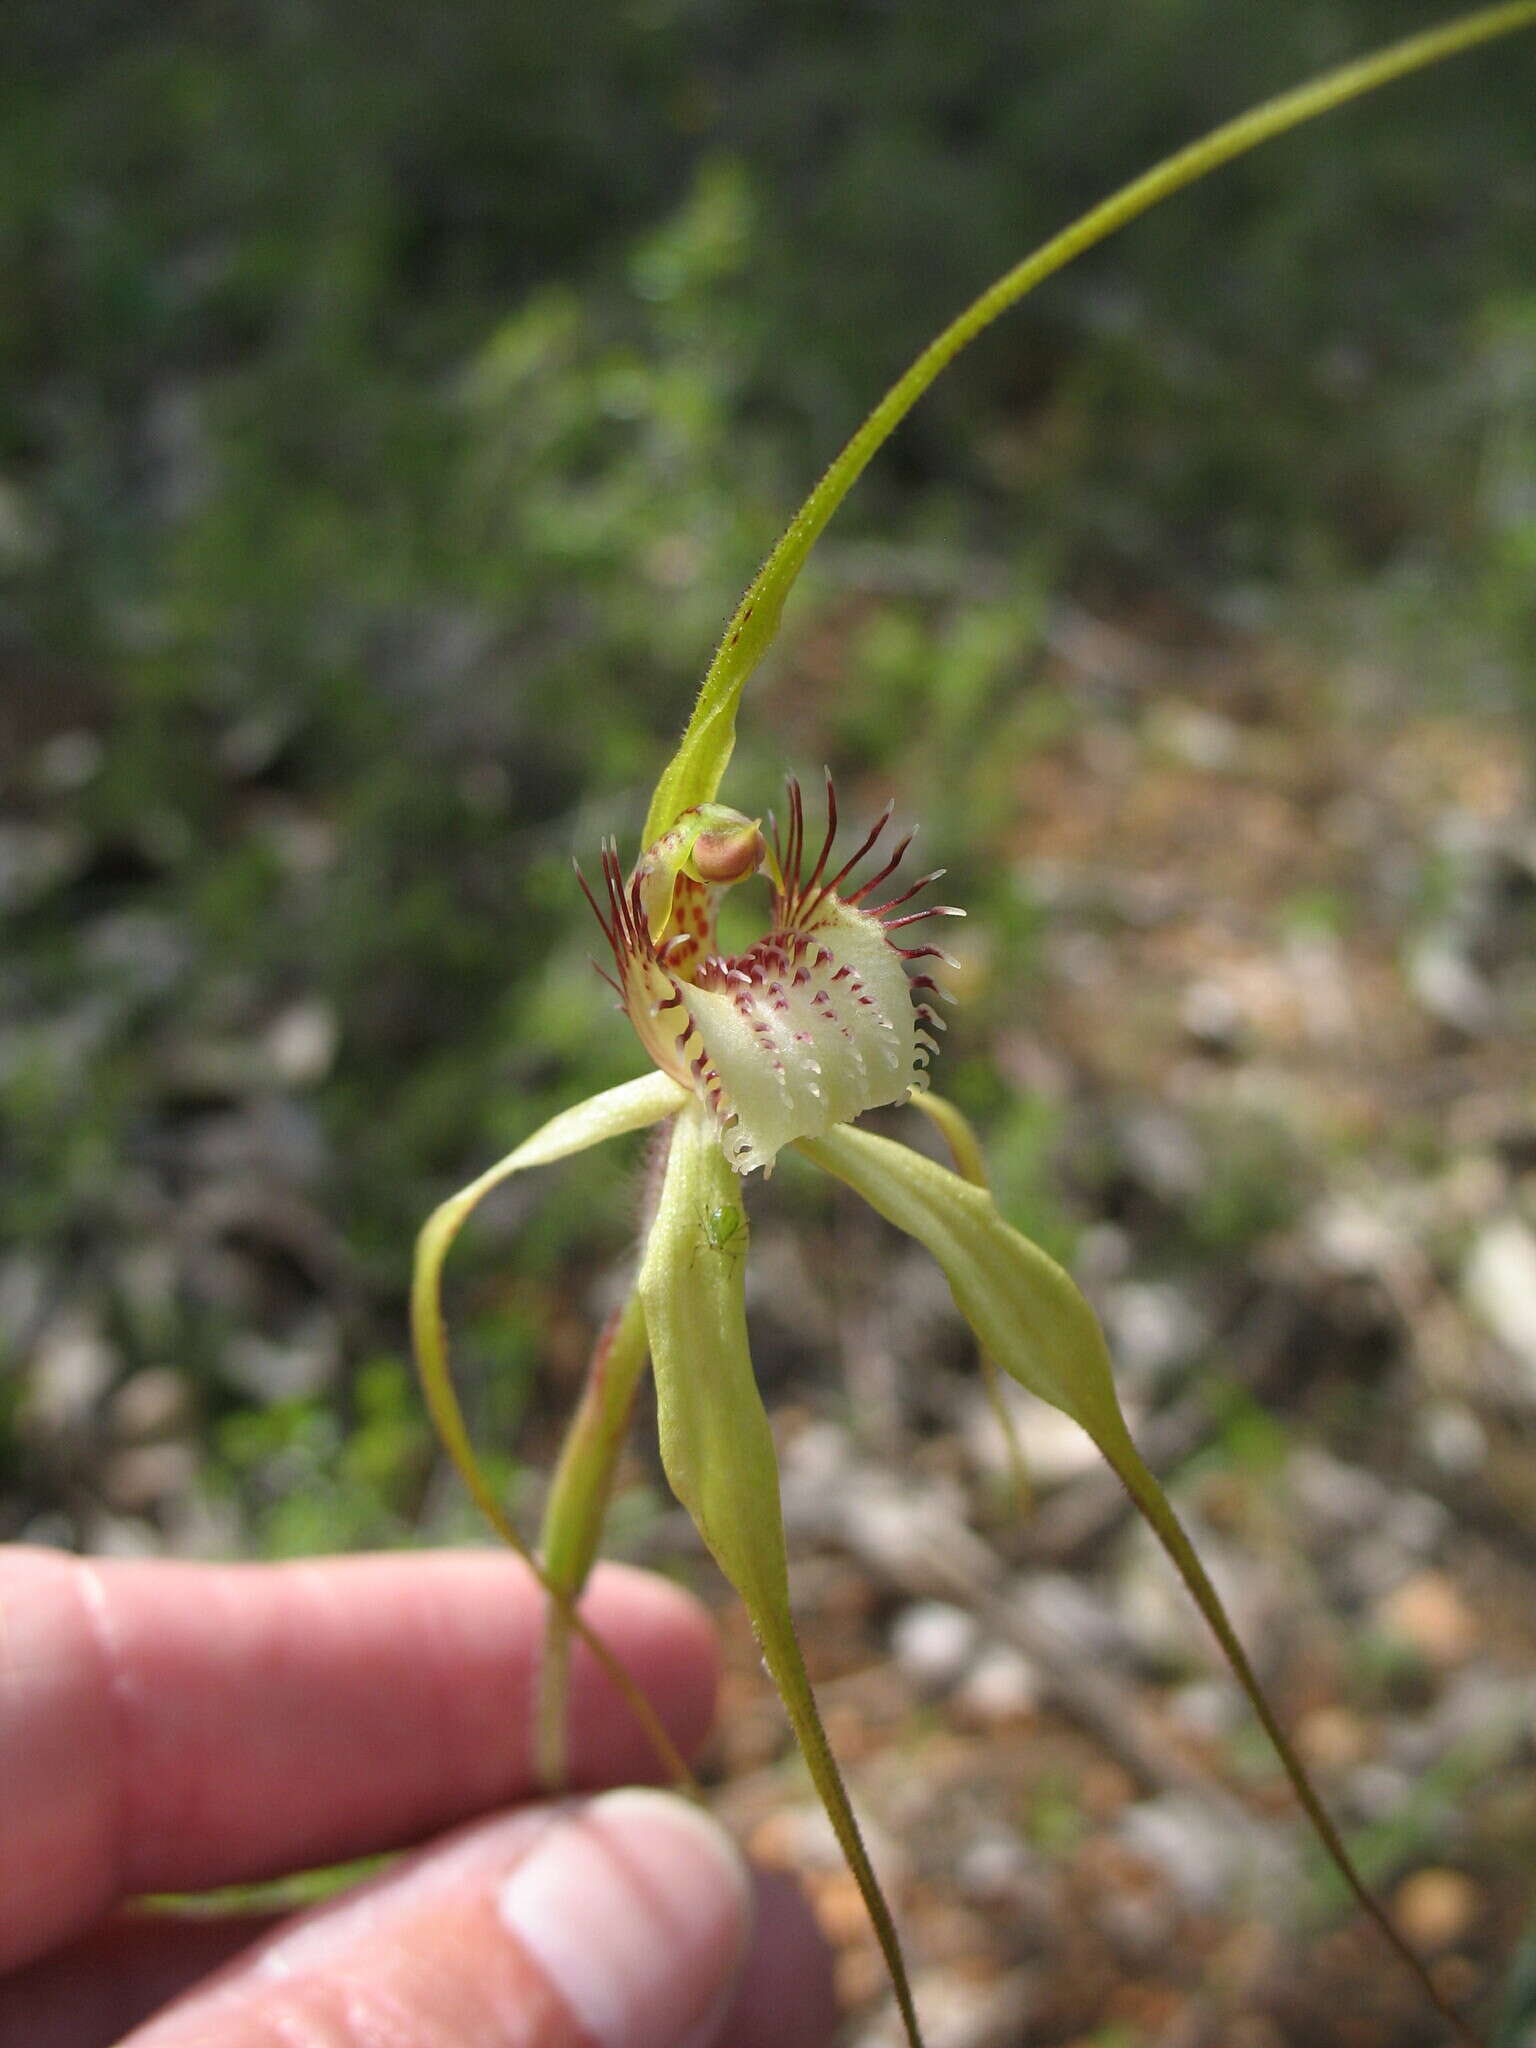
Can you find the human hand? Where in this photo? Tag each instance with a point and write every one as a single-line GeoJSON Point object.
{"type": "Point", "coordinates": [170, 1727]}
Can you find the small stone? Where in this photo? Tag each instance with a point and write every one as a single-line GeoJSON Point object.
{"type": "Point", "coordinates": [1138, 1924]}
{"type": "Point", "coordinates": [1449, 987]}
{"type": "Point", "coordinates": [1163, 1152]}
{"type": "Point", "coordinates": [304, 1366]}
{"type": "Point", "coordinates": [1334, 1498]}
{"type": "Point", "coordinates": [994, 1865]}
{"type": "Point", "coordinates": [1102, 1255]}
{"type": "Point", "coordinates": [105, 1534]}
{"type": "Point", "coordinates": [1379, 1792]}
{"type": "Point", "coordinates": [72, 1367]}
{"type": "Point", "coordinates": [1500, 1282]}
{"type": "Point", "coordinates": [1205, 1856]}
{"type": "Point", "coordinates": [152, 1403]}
{"type": "Point", "coordinates": [1435, 1907]}
{"type": "Point", "coordinates": [301, 1042]}
{"type": "Point", "coordinates": [1428, 1612]}
{"type": "Point", "coordinates": [1153, 1327]}
{"type": "Point", "coordinates": [1001, 1685]}
{"type": "Point", "coordinates": [1207, 1707]}
{"type": "Point", "coordinates": [932, 1642]}
{"type": "Point", "coordinates": [1065, 1609]}
{"type": "Point", "coordinates": [1054, 1447]}
{"type": "Point", "coordinates": [1332, 1738]}
{"type": "Point", "coordinates": [1453, 1438]}
{"type": "Point", "coordinates": [1191, 733]}
{"type": "Point", "coordinates": [1351, 1239]}
{"type": "Point", "coordinates": [69, 761]}
{"type": "Point", "coordinates": [840, 1907]}
{"type": "Point", "coordinates": [1212, 1016]}
{"type": "Point", "coordinates": [136, 1480]}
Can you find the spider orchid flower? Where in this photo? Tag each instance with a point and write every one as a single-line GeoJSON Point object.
{"type": "Point", "coordinates": [808, 1028]}
{"type": "Point", "coordinates": [787, 1044]}
{"type": "Point", "coordinates": [783, 1044]}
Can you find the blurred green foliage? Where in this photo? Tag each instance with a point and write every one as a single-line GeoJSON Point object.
{"type": "Point", "coordinates": [391, 407]}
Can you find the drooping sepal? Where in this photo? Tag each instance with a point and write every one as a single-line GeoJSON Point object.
{"type": "Point", "coordinates": [1031, 1317]}
{"type": "Point", "coordinates": [719, 1454]}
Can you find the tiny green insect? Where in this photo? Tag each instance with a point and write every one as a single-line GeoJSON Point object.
{"type": "Point", "coordinates": [723, 1229]}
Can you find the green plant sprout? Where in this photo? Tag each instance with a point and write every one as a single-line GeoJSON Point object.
{"type": "Point", "coordinates": [788, 1043]}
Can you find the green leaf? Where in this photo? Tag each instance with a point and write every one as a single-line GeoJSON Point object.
{"type": "Point", "coordinates": [720, 1459]}
{"type": "Point", "coordinates": [1029, 1315]}
{"type": "Point", "coordinates": [694, 773]}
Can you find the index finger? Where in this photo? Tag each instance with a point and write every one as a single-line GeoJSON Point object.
{"type": "Point", "coordinates": [175, 1726]}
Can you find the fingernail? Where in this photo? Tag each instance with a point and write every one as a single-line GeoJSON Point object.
{"type": "Point", "coordinates": [638, 1910]}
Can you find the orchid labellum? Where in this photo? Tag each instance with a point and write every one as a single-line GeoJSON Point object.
{"type": "Point", "coordinates": [787, 1043]}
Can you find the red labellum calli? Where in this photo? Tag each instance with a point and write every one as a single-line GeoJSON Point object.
{"type": "Point", "coordinates": [816, 1022]}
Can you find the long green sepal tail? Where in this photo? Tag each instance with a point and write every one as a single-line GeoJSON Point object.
{"type": "Point", "coordinates": [1028, 1313]}
{"type": "Point", "coordinates": [720, 1462]}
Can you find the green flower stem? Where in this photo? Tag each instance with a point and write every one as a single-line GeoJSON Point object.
{"type": "Point", "coordinates": [694, 773]}
{"type": "Point", "coordinates": [1028, 1313]}
{"type": "Point", "coordinates": [719, 1457]}
{"type": "Point", "coordinates": [574, 1512]}
{"type": "Point", "coordinates": [970, 1163]}
{"type": "Point", "coordinates": [609, 1115]}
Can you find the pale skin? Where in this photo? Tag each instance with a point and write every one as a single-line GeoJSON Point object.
{"type": "Point", "coordinates": [169, 1727]}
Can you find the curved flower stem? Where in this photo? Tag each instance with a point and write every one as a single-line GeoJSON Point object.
{"type": "Point", "coordinates": [693, 774]}
{"type": "Point", "coordinates": [1027, 1311]}
{"type": "Point", "coordinates": [719, 1457]}
{"type": "Point", "coordinates": [574, 1512]}
{"type": "Point", "coordinates": [627, 1108]}
{"type": "Point", "coordinates": [970, 1163]}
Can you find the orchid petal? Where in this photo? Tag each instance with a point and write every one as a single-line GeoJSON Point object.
{"type": "Point", "coordinates": [629, 1107]}
{"type": "Point", "coordinates": [719, 1454]}
{"type": "Point", "coordinates": [1029, 1315]}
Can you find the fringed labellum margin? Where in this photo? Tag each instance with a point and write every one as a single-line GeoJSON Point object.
{"type": "Point", "coordinates": [816, 1022]}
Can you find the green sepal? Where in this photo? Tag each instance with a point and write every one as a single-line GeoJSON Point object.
{"type": "Point", "coordinates": [575, 1509]}
{"type": "Point", "coordinates": [1030, 1316]}
{"type": "Point", "coordinates": [1024, 1309]}
{"type": "Point", "coordinates": [629, 1107]}
{"type": "Point", "coordinates": [578, 1493]}
{"type": "Point", "coordinates": [719, 1455]}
